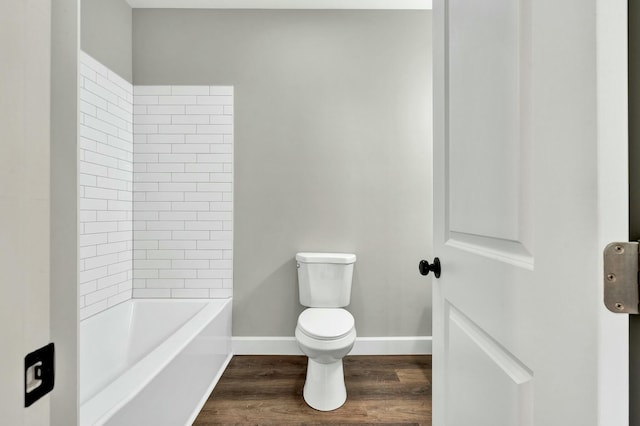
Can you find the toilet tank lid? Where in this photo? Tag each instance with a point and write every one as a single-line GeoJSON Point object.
{"type": "Point", "coordinates": [342, 258]}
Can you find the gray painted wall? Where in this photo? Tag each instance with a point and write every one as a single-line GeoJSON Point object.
{"type": "Point", "coordinates": [106, 34]}
{"type": "Point", "coordinates": [333, 145]}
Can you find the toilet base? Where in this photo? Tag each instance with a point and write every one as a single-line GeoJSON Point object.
{"type": "Point", "coordinates": [324, 387]}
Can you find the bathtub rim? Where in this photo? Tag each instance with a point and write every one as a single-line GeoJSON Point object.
{"type": "Point", "coordinates": [102, 406]}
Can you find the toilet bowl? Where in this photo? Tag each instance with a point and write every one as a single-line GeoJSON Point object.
{"type": "Point", "coordinates": [325, 336]}
{"type": "Point", "coordinates": [325, 332]}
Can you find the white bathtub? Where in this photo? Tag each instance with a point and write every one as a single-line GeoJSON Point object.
{"type": "Point", "coordinates": [152, 362]}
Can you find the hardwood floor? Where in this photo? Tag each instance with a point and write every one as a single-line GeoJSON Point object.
{"type": "Point", "coordinates": [267, 390]}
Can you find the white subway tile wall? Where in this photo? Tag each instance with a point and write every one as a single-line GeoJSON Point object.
{"type": "Point", "coordinates": [183, 191]}
{"type": "Point", "coordinates": [106, 184]}
{"type": "Point", "coordinates": [156, 190]}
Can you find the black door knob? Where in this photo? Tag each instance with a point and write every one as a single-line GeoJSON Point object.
{"type": "Point", "coordinates": [425, 267]}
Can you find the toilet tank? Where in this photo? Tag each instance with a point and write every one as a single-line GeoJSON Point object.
{"type": "Point", "coordinates": [324, 279]}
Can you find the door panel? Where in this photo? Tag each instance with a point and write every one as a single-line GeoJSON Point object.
{"type": "Point", "coordinates": [486, 375]}
{"type": "Point", "coordinates": [487, 139]}
{"type": "Point", "coordinates": [527, 137]}
{"type": "Point", "coordinates": [492, 181]}
{"type": "Point", "coordinates": [485, 63]}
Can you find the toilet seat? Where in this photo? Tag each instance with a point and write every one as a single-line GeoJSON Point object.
{"type": "Point", "coordinates": [326, 323]}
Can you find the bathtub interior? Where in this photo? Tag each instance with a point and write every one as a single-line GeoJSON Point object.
{"type": "Point", "coordinates": [114, 340]}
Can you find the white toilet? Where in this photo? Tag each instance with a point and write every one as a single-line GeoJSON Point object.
{"type": "Point", "coordinates": [325, 332]}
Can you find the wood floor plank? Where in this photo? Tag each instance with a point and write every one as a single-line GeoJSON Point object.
{"type": "Point", "coordinates": [267, 390]}
{"type": "Point", "coordinates": [297, 412]}
{"type": "Point", "coordinates": [414, 375]}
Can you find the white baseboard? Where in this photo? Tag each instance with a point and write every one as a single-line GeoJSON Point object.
{"type": "Point", "coordinates": [267, 345]}
{"type": "Point", "coordinates": [405, 345]}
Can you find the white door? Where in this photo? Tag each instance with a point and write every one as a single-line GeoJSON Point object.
{"type": "Point", "coordinates": [24, 201]}
{"type": "Point", "coordinates": [530, 185]}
